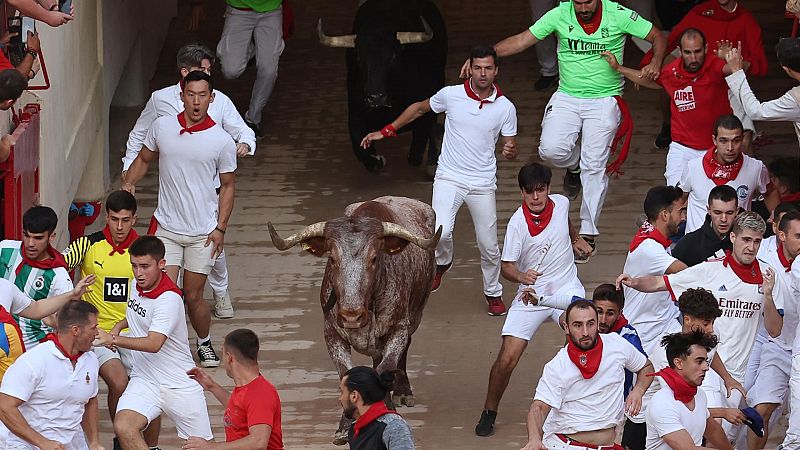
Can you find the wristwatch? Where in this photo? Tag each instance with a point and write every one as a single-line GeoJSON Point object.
{"type": "Point", "coordinates": [32, 52]}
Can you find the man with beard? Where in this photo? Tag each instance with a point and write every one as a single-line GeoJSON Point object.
{"type": "Point", "coordinates": [710, 240]}
{"type": "Point", "coordinates": [581, 386]}
{"type": "Point", "coordinates": [361, 394]}
{"type": "Point", "coordinates": [696, 84]}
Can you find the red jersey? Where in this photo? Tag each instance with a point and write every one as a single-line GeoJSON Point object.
{"type": "Point", "coordinates": [256, 403]}
{"type": "Point", "coordinates": [5, 63]}
{"type": "Point", "coordinates": [697, 100]}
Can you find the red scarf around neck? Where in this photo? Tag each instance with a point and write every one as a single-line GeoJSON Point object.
{"type": "Point", "coordinates": [787, 264]}
{"type": "Point", "coordinates": [721, 173]}
{"type": "Point", "coordinates": [750, 274]}
{"type": "Point", "coordinates": [132, 236]}
{"type": "Point", "coordinates": [56, 259]}
{"type": "Point", "coordinates": [593, 25]}
{"type": "Point", "coordinates": [54, 337]}
{"type": "Point", "coordinates": [165, 284]}
{"type": "Point", "coordinates": [538, 222]}
{"type": "Point", "coordinates": [202, 126]}
{"type": "Point", "coordinates": [588, 362]}
{"type": "Point", "coordinates": [791, 198]}
{"type": "Point", "coordinates": [683, 391]}
{"type": "Point", "coordinates": [619, 324]}
{"type": "Point", "coordinates": [648, 231]}
{"type": "Point", "coordinates": [482, 101]}
{"type": "Point", "coordinates": [375, 410]}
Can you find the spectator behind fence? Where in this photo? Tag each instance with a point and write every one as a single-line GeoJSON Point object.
{"type": "Point", "coordinates": [46, 11]}
{"type": "Point", "coordinates": [12, 83]}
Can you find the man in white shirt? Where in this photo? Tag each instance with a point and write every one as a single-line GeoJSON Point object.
{"type": "Point", "coordinates": [191, 218]}
{"type": "Point", "coordinates": [160, 355]}
{"type": "Point", "coordinates": [722, 164]}
{"type": "Point", "coordinates": [537, 254]}
{"type": "Point", "coordinates": [168, 102]}
{"type": "Point", "coordinates": [582, 387]}
{"type": "Point", "coordinates": [477, 112]}
{"type": "Point", "coordinates": [678, 417]}
{"type": "Point", "coordinates": [48, 398]}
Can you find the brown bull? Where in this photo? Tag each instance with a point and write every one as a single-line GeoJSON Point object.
{"type": "Point", "coordinates": [375, 285]}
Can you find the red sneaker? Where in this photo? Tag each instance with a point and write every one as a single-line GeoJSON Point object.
{"type": "Point", "coordinates": [496, 306]}
{"type": "Point", "coordinates": [437, 279]}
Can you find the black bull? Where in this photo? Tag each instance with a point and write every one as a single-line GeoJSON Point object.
{"type": "Point", "coordinates": [396, 56]}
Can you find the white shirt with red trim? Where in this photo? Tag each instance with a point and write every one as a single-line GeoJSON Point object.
{"type": "Point", "coordinates": [667, 415]}
{"type": "Point", "coordinates": [580, 404]}
{"type": "Point", "coordinates": [752, 179]}
{"type": "Point", "coordinates": [471, 130]}
{"type": "Point", "coordinates": [791, 291]}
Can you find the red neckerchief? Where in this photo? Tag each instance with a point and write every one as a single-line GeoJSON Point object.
{"type": "Point", "coordinates": [132, 236]}
{"type": "Point", "coordinates": [375, 410]}
{"type": "Point", "coordinates": [721, 173]}
{"type": "Point", "coordinates": [784, 262]}
{"type": "Point", "coordinates": [594, 24]}
{"type": "Point", "coordinates": [54, 337]}
{"type": "Point", "coordinates": [538, 222]}
{"type": "Point", "coordinates": [750, 274]}
{"type": "Point", "coordinates": [586, 361]}
{"type": "Point", "coordinates": [165, 284]}
{"type": "Point", "coordinates": [6, 317]}
{"type": "Point", "coordinates": [623, 135]}
{"type": "Point", "coordinates": [56, 259]}
{"type": "Point", "coordinates": [202, 126]}
{"type": "Point", "coordinates": [791, 198]}
{"type": "Point", "coordinates": [619, 324]}
{"type": "Point", "coordinates": [683, 391]}
{"type": "Point", "coordinates": [648, 231]}
{"type": "Point", "coordinates": [482, 101]}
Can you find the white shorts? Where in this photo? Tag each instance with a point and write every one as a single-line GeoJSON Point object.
{"type": "Point", "coordinates": [78, 442]}
{"type": "Point", "coordinates": [553, 442]}
{"type": "Point", "coordinates": [772, 379]}
{"type": "Point", "coordinates": [186, 407]}
{"type": "Point", "coordinates": [187, 252]}
{"type": "Point", "coordinates": [738, 111]}
{"type": "Point", "coordinates": [105, 355]}
{"type": "Point", "coordinates": [678, 158]}
{"type": "Point", "coordinates": [717, 396]}
{"type": "Point", "coordinates": [523, 320]}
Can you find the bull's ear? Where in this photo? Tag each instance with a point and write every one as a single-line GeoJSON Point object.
{"type": "Point", "coordinates": [392, 244]}
{"type": "Point", "coordinates": [316, 246]}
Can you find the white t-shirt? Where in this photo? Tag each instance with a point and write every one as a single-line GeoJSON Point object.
{"type": "Point", "coordinates": [667, 415]}
{"type": "Point", "coordinates": [558, 267]}
{"type": "Point", "coordinates": [471, 129]}
{"type": "Point", "coordinates": [164, 315]}
{"type": "Point", "coordinates": [187, 165]}
{"type": "Point", "coordinates": [791, 291]}
{"type": "Point", "coordinates": [54, 393]}
{"type": "Point", "coordinates": [752, 179]}
{"type": "Point", "coordinates": [742, 306]}
{"type": "Point", "coordinates": [580, 404]}
{"type": "Point", "coordinates": [11, 298]}
{"type": "Point", "coordinates": [650, 314]}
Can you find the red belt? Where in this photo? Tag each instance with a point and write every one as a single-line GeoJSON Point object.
{"type": "Point", "coordinates": [569, 441]}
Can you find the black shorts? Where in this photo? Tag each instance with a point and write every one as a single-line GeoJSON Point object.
{"type": "Point", "coordinates": [634, 435]}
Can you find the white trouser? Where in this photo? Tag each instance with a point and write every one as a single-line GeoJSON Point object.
{"type": "Point", "coordinates": [596, 120]}
{"type": "Point", "coordinates": [243, 30]}
{"type": "Point", "coordinates": [545, 49]}
{"type": "Point", "coordinates": [717, 397]}
{"type": "Point", "coordinates": [792, 439]}
{"type": "Point", "coordinates": [218, 278]}
{"type": "Point", "coordinates": [448, 196]}
{"type": "Point", "coordinates": [552, 442]}
{"type": "Point", "coordinates": [754, 362]}
{"type": "Point", "coordinates": [678, 158]}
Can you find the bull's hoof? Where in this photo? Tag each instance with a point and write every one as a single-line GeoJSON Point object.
{"type": "Point", "coordinates": [340, 438]}
{"type": "Point", "coordinates": [404, 399]}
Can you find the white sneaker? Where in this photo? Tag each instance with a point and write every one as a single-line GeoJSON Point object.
{"type": "Point", "coordinates": [223, 308]}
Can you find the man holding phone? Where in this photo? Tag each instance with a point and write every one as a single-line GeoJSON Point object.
{"type": "Point", "coordinates": [52, 12]}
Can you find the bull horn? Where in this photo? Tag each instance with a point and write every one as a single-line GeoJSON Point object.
{"type": "Point", "coordinates": [311, 231]}
{"type": "Point", "coordinates": [416, 37]}
{"type": "Point", "coordinates": [395, 230]}
{"type": "Point", "coordinates": [346, 41]}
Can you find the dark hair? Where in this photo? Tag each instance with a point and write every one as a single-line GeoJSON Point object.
{"type": "Point", "coordinates": [690, 32]}
{"type": "Point", "coordinates": [12, 83]}
{"type": "Point", "coordinates": [659, 198]}
{"type": "Point", "coordinates": [787, 170]}
{"type": "Point", "coordinates": [192, 55]}
{"type": "Point", "coordinates": [787, 218]}
{"type": "Point", "coordinates": [533, 176]}
{"type": "Point", "coordinates": [148, 246]}
{"type": "Point", "coordinates": [723, 193]}
{"type": "Point", "coordinates": [197, 75]}
{"type": "Point", "coordinates": [789, 53]}
{"type": "Point", "coordinates": [121, 200]}
{"type": "Point", "coordinates": [579, 304]}
{"type": "Point", "coordinates": [372, 387]}
{"type": "Point", "coordinates": [39, 219]}
{"type": "Point", "coordinates": [75, 314]}
{"type": "Point", "coordinates": [679, 345]}
{"type": "Point", "coordinates": [607, 291]}
{"type": "Point", "coordinates": [482, 51]}
{"type": "Point", "coordinates": [728, 122]}
{"type": "Point", "coordinates": [699, 303]}
{"type": "Point", "coordinates": [244, 342]}
{"type": "Point", "coordinates": [783, 208]}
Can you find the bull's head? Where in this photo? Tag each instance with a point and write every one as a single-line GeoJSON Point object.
{"type": "Point", "coordinates": [376, 55]}
{"type": "Point", "coordinates": [357, 246]}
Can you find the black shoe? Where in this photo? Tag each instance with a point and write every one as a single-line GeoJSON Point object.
{"type": "Point", "coordinates": [572, 183]}
{"type": "Point", "coordinates": [485, 426]}
{"type": "Point", "coordinates": [545, 82]}
{"type": "Point", "coordinates": [115, 445]}
{"type": "Point", "coordinates": [377, 164]}
{"type": "Point", "coordinates": [208, 357]}
{"type": "Point", "coordinates": [256, 129]}
{"type": "Point", "coordinates": [664, 136]}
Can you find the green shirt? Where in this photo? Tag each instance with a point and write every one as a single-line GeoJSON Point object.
{"type": "Point", "coordinates": [583, 73]}
{"type": "Point", "coordinates": [260, 6]}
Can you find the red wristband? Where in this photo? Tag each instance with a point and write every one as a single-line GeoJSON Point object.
{"type": "Point", "coordinates": [388, 131]}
